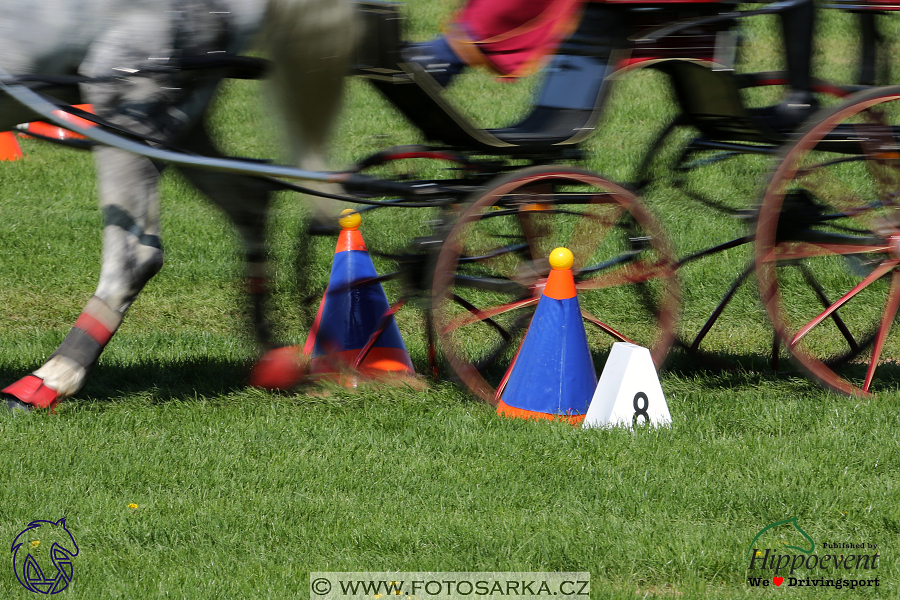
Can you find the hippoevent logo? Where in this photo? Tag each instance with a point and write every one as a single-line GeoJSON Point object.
{"type": "Point", "coordinates": [42, 556]}
{"type": "Point", "coordinates": [837, 565]}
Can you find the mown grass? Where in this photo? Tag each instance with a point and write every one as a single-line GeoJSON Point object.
{"type": "Point", "coordinates": [242, 493]}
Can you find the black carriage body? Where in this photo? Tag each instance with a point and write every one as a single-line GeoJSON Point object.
{"type": "Point", "coordinates": [567, 107]}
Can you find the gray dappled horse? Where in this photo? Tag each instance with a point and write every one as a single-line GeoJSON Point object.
{"type": "Point", "coordinates": [125, 47]}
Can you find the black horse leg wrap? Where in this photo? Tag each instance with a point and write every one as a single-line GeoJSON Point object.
{"type": "Point", "coordinates": [90, 334]}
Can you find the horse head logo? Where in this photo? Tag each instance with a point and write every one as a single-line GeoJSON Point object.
{"type": "Point", "coordinates": [33, 546]}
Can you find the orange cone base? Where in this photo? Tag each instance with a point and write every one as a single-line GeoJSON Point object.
{"type": "Point", "coordinates": [9, 146]}
{"type": "Point", "coordinates": [280, 369]}
{"type": "Point", "coordinates": [380, 363]}
{"type": "Point", "coordinates": [506, 410]}
{"type": "Point", "coordinates": [55, 132]}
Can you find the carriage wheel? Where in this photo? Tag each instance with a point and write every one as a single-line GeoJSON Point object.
{"type": "Point", "coordinates": [828, 245]}
{"type": "Point", "coordinates": [493, 265]}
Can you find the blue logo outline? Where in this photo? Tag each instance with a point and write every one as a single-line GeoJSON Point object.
{"type": "Point", "coordinates": [30, 575]}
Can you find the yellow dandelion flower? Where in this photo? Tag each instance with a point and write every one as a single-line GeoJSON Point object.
{"type": "Point", "coordinates": [759, 553]}
{"type": "Point", "coordinates": [35, 543]}
{"type": "Point", "coordinates": [132, 505]}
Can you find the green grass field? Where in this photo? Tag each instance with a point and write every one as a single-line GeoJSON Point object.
{"type": "Point", "coordinates": [177, 480]}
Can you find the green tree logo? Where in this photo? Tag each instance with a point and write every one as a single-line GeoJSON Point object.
{"type": "Point", "coordinates": [792, 521]}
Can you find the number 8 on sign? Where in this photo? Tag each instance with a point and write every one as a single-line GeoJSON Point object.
{"type": "Point", "coordinates": [628, 389]}
{"type": "Point", "coordinates": [640, 411]}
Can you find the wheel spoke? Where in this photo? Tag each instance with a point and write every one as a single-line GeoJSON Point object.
{"type": "Point", "coordinates": [598, 216]}
{"type": "Point", "coordinates": [793, 251]}
{"type": "Point", "coordinates": [591, 231]}
{"type": "Point", "coordinates": [624, 258]}
{"type": "Point", "coordinates": [882, 269]}
{"type": "Point", "coordinates": [726, 299]}
{"type": "Point", "coordinates": [604, 327]}
{"type": "Point", "coordinates": [631, 273]}
{"type": "Point", "coordinates": [478, 315]}
{"type": "Point", "coordinates": [823, 298]}
{"type": "Point", "coordinates": [508, 249]}
{"type": "Point", "coordinates": [887, 319]}
{"type": "Point", "coordinates": [493, 284]}
{"type": "Point", "coordinates": [361, 283]}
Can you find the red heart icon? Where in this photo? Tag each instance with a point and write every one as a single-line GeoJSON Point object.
{"type": "Point", "coordinates": [777, 580]}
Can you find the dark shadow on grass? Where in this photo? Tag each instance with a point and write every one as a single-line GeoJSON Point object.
{"type": "Point", "coordinates": [724, 370]}
{"type": "Point", "coordinates": [687, 361]}
{"type": "Point", "coordinates": [157, 381]}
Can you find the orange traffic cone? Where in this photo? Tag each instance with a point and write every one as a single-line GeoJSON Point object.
{"type": "Point", "coordinates": [54, 132]}
{"type": "Point", "coordinates": [552, 375]}
{"type": "Point", "coordinates": [9, 146]}
{"type": "Point", "coordinates": [354, 333]}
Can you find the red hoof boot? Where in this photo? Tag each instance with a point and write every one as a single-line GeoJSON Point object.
{"type": "Point", "coordinates": [280, 369]}
{"type": "Point", "coordinates": [31, 391]}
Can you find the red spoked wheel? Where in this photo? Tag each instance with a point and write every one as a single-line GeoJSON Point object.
{"type": "Point", "coordinates": [828, 245]}
{"type": "Point", "coordinates": [492, 267]}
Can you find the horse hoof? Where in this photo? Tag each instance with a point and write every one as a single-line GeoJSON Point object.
{"type": "Point", "coordinates": [31, 391]}
{"type": "Point", "coordinates": [280, 369]}
{"type": "Point", "coordinates": [13, 405]}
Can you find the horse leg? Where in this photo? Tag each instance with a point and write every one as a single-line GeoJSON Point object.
{"type": "Point", "coordinates": [311, 43]}
{"type": "Point", "coordinates": [129, 202]}
{"type": "Point", "coordinates": [132, 255]}
{"type": "Point", "coordinates": [157, 104]}
{"type": "Point", "coordinates": [245, 200]}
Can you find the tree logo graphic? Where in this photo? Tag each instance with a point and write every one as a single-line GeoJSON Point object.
{"type": "Point", "coordinates": [791, 521]}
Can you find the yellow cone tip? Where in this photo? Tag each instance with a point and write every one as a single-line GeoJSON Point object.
{"type": "Point", "coordinates": [562, 258]}
{"type": "Point", "coordinates": [350, 219]}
